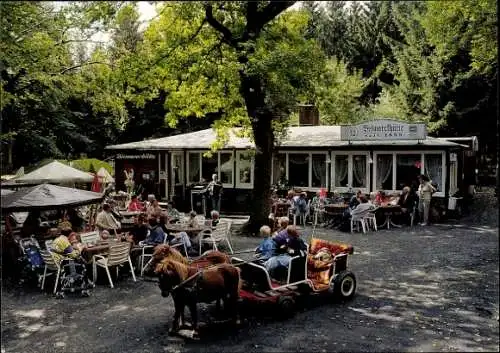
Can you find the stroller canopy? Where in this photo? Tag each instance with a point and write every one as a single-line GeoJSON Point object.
{"type": "Point", "coordinates": [47, 196]}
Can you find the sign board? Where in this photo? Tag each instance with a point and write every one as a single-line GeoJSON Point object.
{"type": "Point", "coordinates": [163, 174]}
{"type": "Point", "coordinates": [383, 130]}
{"type": "Point", "coordinates": [453, 157]}
{"type": "Point", "coordinates": [136, 156]}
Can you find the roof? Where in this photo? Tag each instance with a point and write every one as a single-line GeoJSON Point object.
{"type": "Point", "coordinates": [55, 172]}
{"type": "Point", "coordinates": [297, 136]}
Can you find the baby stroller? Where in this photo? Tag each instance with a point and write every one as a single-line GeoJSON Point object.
{"type": "Point", "coordinates": [30, 262]}
{"type": "Point", "coordinates": [74, 278]}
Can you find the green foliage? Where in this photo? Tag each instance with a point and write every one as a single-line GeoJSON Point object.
{"type": "Point", "coordinates": [337, 93]}
{"type": "Point", "coordinates": [91, 165]}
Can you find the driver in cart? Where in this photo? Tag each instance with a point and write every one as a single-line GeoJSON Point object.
{"type": "Point", "coordinates": [288, 244]}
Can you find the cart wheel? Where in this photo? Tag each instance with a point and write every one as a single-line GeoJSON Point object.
{"type": "Point", "coordinates": [286, 306]}
{"type": "Point", "coordinates": [59, 295]}
{"type": "Point", "coordinates": [344, 285]}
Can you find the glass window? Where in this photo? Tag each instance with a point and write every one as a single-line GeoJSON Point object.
{"type": "Point", "coordinates": [178, 168]}
{"type": "Point", "coordinates": [434, 169]}
{"type": "Point", "coordinates": [407, 169]}
{"type": "Point", "coordinates": [298, 169]}
{"type": "Point", "coordinates": [279, 167]}
{"type": "Point", "coordinates": [194, 167]}
{"type": "Point", "coordinates": [245, 168]}
{"type": "Point", "coordinates": [359, 171]}
{"type": "Point", "coordinates": [318, 171]}
{"type": "Point", "coordinates": [384, 172]}
{"type": "Point", "coordinates": [209, 167]}
{"type": "Point", "coordinates": [341, 170]}
{"type": "Point", "coordinates": [226, 168]}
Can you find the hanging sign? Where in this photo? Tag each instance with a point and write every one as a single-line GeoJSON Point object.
{"type": "Point", "coordinates": [384, 129]}
{"type": "Point", "coordinates": [136, 156]}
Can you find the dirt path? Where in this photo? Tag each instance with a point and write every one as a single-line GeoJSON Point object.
{"type": "Point", "coordinates": [423, 289]}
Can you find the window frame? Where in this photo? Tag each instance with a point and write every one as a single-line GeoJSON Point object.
{"type": "Point", "coordinates": [309, 173]}
{"type": "Point", "coordinates": [422, 154]}
{"type": "Point", "coordinates": [240, 185]}
{"type": "Point", "coordinates": [350, 172]}
{"type": "Point", "coordinates": [200, 161]}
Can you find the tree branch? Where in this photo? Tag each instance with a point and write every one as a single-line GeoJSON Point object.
{"type": "Point", "coordinates": [212, 21]}
{"type": "Point", "coordinates": [80, 65]}
{"type": "Point", "coordinates": [268, 13]}
{"type": "Point", "coordinates": [79, 41]}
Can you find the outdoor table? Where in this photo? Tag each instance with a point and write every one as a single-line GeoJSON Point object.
{"type": "Point", "coordinates": [335, 212]}
{"type": "Point", "coordinates": [178, 227]}
{"type": "Point", "coordinates": [388, 211]}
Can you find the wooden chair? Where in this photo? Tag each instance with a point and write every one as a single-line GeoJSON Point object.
{"type": "Point", "coordinates": [50, 265]}
{"type": "Point", "coordinates": [119, 253]}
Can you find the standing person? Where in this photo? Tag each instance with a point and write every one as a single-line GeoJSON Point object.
{"type": "Point", "coordinates": [214, 190]}
{"type": "Point", "coordinates": [106, 221]}
{"type": "Point", "coordinates": [425, 191]}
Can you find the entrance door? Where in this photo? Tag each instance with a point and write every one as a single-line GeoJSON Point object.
{"type": "Point", "coordinates": [177, 177]}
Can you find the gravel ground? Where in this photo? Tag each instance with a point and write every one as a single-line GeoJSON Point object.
{"type": "Point", "coordinates": [423, 289]}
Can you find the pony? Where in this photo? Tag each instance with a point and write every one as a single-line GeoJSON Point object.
{"type": "Point", "coordinates": [164, 251]}
{"type": "Point", "coordinates": [190, 286]}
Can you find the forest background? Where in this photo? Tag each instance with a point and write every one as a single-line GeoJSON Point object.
{"type": "Point", "coordinates": [66, 95]}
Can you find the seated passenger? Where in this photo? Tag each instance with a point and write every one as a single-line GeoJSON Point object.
{"type": "Point", "coordinates": [288, 244]}
{"type": "Point", "coordinates": [267, 248]}
{"type": "Point", "coordinates": [407, 202]}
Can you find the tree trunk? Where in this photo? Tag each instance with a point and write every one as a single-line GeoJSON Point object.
{"type": "Point", "coordinates": [261, 119]}
{"type": "Point", "coordinates": [264, 141]}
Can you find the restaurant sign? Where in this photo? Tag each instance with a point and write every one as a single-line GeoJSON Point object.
{"type": "Point", "coordinates": [136, 156]}
{"type": "Point", "coordinates": [383, 130]}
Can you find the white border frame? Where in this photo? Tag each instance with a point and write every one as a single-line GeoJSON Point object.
{"type": "Point", "coordinates": [240, 185]}
{"type": "Point", "coordinates": [349, 155]}
{"type": "Point", "coordinates": [422, 154]}
{"type": "Point", "coordinates": [200, 161]}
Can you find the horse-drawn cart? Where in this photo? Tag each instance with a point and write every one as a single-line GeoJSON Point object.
{"type": "Point", "coordinates": [323, 271]}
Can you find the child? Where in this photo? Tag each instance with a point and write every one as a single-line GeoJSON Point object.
{"type": "Point", "coordinates": [267, 247]}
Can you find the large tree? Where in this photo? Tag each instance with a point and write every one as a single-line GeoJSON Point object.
{"type": "Point", "coordinates": [248, 63]}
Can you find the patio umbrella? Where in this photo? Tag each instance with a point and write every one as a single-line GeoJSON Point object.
{"type": "Point", "coordinates": [104, 176]}
{"type": "Point", "coordinates": [47, 196]}
{"type": "Point", "coordinates": [55, 172]}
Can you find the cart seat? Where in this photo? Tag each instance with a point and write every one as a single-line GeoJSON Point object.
{"type": "Point", "coordinates": [320, 271]}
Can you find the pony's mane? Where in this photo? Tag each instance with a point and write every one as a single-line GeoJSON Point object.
{"type": "Point", "coordinates": [166, 264]}
{"type": "Point", "coordinates": [165, 251]}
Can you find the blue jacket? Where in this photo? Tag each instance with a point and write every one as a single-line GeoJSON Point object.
{"type": "Point", "coordinates": [156, 236]}
{"type": "Point", "coordinates": [267, 248]}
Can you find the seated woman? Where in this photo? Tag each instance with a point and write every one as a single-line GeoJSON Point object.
{"type": "Point", "coordinates": [289, 244]}
{"type": "Point", "coordinates": [172, 213]}
{"type": "Point", "coordinates": [61, 247]}
{"type": "Point", "coordinates": [135, 205]}
{"type": "Point", "coordinates": [381, 198]}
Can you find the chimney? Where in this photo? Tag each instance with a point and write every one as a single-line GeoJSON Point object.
{"type": "Point", "coordinates": [308, 115]}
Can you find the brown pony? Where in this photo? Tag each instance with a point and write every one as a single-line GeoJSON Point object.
{"type": "Point", "coordinates": [164, 251]}
{"type": "Point", "coordinates": [189, 286]}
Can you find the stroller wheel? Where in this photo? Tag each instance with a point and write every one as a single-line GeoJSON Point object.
{"type": "Point", "coordinates": [59, 295]}
{"type": "Point", "coordinates": [85, 293]}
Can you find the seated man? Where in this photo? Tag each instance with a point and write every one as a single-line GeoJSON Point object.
{"type": "Point", "coordinates": [156, 234]}
{"type": "Point", "coordinates": [288, 244]}
{"type": "Point", "coordinates": [282, 224]}
{"type": "Point", "coordinates": [267, 248]}
{"type": "Point", "coordinates": [172, 214]}
{"type": "Point", "coordinates": [407, 203]}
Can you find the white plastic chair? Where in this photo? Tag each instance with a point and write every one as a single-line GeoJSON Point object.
{"type": "Point", "coordinates": [143, 255]}
{"type": "Point", "coordinates": [358, 220]}
{"type": "Point", "coordinates": [50, 265]}
{"type": "Point", "coordinates": [219, 234]}
{"type": "Point", "coordinates": [90, 237]}
{"type": "Point", "coordinates": [119, 253]}
{"type": "Point", "coordinates": [371, 221]}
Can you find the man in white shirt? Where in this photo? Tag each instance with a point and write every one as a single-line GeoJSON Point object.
{"type": "Point", "coordinates": [106, 221]}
